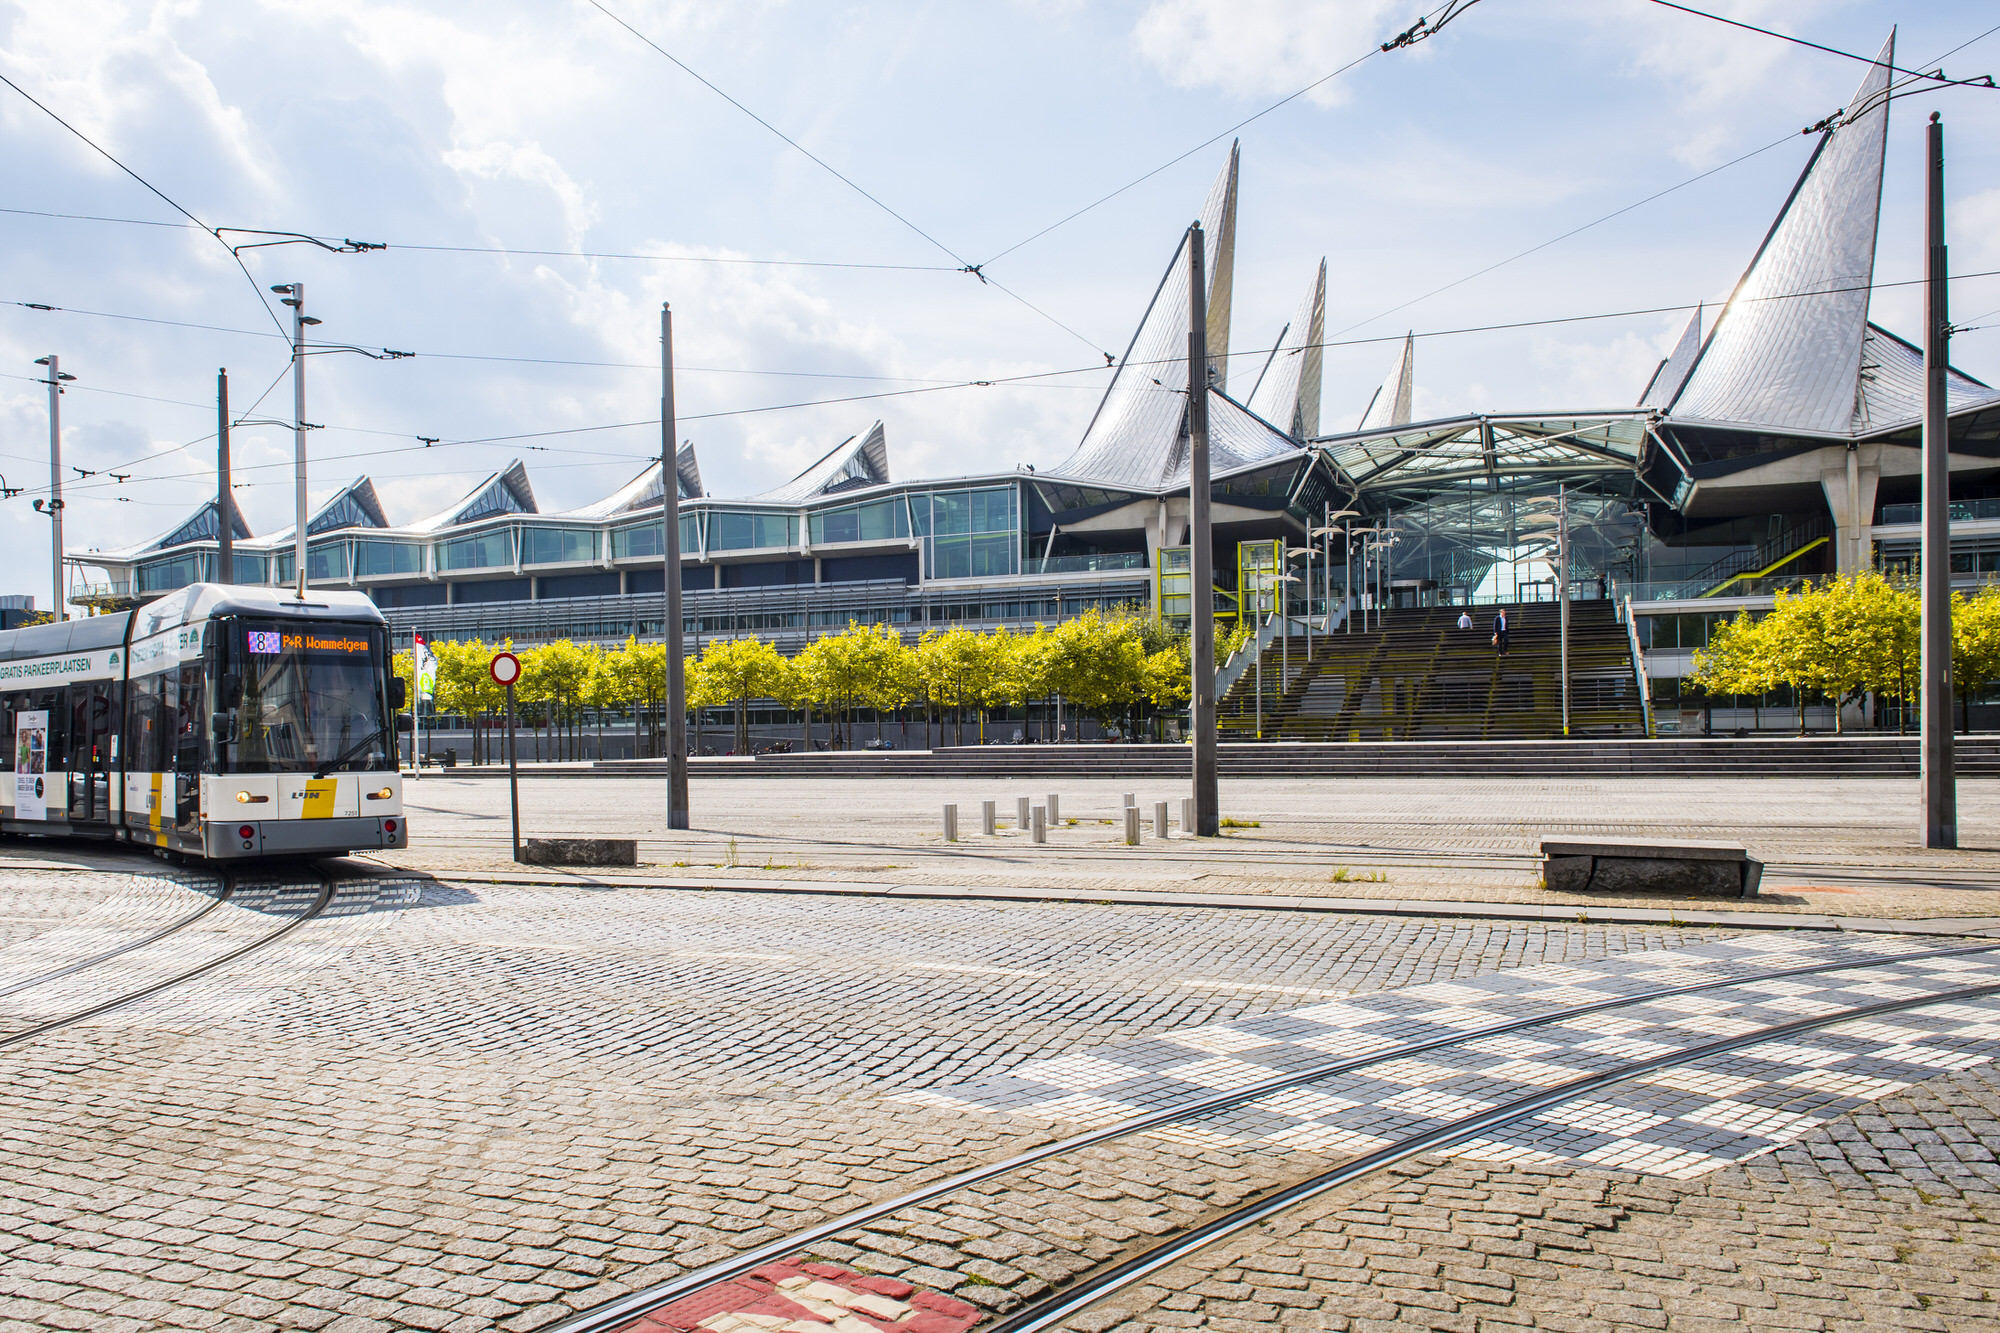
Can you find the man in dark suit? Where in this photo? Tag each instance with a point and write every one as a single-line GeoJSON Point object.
{"type": "Point", "coordinates": [1500, 633]}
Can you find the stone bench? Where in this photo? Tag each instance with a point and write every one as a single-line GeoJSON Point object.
{"type": "Point", "coordinates": [580, 852]}
{"type": "Point", "coordinates": [1630, 865]}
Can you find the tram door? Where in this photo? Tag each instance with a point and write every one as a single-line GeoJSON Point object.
{"type": "Point", "coordinates": [186, 740]}
{"type": "Point", "coordinates": [93, 723]}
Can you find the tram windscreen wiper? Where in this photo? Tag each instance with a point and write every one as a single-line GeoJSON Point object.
{"type": "Point", "coordinates": [349, 752]}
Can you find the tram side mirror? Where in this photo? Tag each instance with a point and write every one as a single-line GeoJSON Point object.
{"type": "Point", "coordinates": [399, 693]}
{"type": "Point", "coordinates": [404, 722]}
{"type": "Point", "coordinates": [223, 727]}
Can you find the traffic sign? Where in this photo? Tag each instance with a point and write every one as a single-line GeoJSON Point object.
{"type": "Point", "coordinates": [505, 668]}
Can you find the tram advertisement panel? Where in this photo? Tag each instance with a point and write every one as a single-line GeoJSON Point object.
{"type": "Point", "coordinates": [31, 765]}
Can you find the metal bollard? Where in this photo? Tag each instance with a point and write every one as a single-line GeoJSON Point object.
{"type": "Point", "coordinates": [951, 823]}
{"type": "Point", "coordinates": [1159, 819]}
{"type": "Point", "coordinates": [989, 819]}
{"type": "Point", "coordinates": [1131, 826]}
{"type": "Point", "coordinates": [1041, 823]}
{"type": "Point", "coordinates": [1131, 799]}
{"type": "Point", "coordinates": [1055, 809]}
{"type": "Point", "coordinates": [1021, 804]}
{"type": "Point", "coordinates": [1187, 814]}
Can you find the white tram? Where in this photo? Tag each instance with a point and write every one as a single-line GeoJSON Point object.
{"type": "Point", "coordinates": [219, 721]}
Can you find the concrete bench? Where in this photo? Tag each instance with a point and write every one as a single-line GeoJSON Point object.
{"type": "Point", "coordinates": [1630, 865]}
{"type": "Point", "coordinates": [580, 852]}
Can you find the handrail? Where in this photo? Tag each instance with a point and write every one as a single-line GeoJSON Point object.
{"type": "Point", "coordinates": [1766, 571]}
{"type": "Point", "coordinates": [1245, 657]}
{"type": "Point", "coordinates": [1639, 668]}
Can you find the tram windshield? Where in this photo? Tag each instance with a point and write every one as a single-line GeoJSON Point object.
{"type": "Point", "coordinates": [304, 698]}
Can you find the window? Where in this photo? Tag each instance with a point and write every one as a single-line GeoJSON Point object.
{"type": "Point", "coordinates": [644, 540]}
{"type": "Point", "coordinates": [881, 521]}
{"type": "Point", "coordinates": [167, 575]}
{"type": "Point", "coordinates": [327, 562]}
{"type": "Point", "coordinates": [387, 558]}
{"type": "Point", "coordinates": [556, 546]}
{"type": "Point", "coordinates": [973, 533]}
{"type": "Point", "coordinates": [481, 552]}
{"type": "Point", "coordinates": [739, 531]}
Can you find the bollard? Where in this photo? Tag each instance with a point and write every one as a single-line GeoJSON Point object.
{"type": "Point", "coordinates": [1021, 813]}
{"type": "Point", "coordinates": [1131, 826]}
{"type": "Point", "coordinates": [1131, 800]}
{"type": "Point", "coordinates": [1055, 809]}
{"type": "Point", "coordinates": [989, 820]}
{"type": "Point", "coordinates": [1041, 823]}
{"type": "Point", "coordinates": [1187, 814]}
{"type": "Point", "coordinates": [951, 823]}
{"type": "Point", "coordinates": [1159, 819]}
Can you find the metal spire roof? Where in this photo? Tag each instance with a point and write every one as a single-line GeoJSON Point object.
{"type": "Point", "coordinates": [1786, 351]}
{"type": "Point", "coordinates": [1287, 392]}
{"type": "Point", "coordinates": [643, 491]}
{"type": "Point", "coordinates": [1671, 373]}
{"type": "Point", "coordinates": [504, 492]}
{"type": "Point", "coordinates": [858, 460]}
{"type": "Point", "coordinates": [1136, 437]}
{"type": "Point", "coordinates": [1390, 407]}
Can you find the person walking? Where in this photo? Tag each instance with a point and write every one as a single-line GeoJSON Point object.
{"type": "Point", "coordinates": [1500, 634]}
{"type": "Point", "coordinates": [1465, 620]}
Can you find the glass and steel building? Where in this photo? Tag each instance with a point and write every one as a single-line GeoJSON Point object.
{"type": "Point", "coordinates": [1779, 440]}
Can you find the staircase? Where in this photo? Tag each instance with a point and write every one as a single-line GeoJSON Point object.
{"type": "Point", "coordinates": [1421, 678]}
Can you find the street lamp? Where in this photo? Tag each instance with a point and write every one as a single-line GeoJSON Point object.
{"type": "Point", "coordinates": [1325, 534]}
{"type": "Point", "coordinates": [54, 507]}
{"type": "Point", "coordinates": [293, 294]}
{"type": "Point", "coordinates": [1559, 517]}
{"type": "Point", "coordinates": [1306, 553]}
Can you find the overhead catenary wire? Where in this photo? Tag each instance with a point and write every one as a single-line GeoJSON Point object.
{"type": "Point", "coordinates": [157, 192]}
{"type": "Point", "coordinates": [1936, 76]}
{"type": "Point", "coordinates": [1024, 380]}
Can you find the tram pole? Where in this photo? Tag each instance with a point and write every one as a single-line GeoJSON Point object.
{"type": "Point", "coordinates": [1940, 791]}
{"type": "Point", "coordinates": [54, 507]}
{"type": "Point", "coordinates": [670, 546]}
{"type": "Point", "coordinates": [225, 505]}
{"type": "Point", "coordinates": [1201, 555]}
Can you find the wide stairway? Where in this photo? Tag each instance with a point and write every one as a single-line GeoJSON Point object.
{"type": "Point", "coordinates": [1420, 677]}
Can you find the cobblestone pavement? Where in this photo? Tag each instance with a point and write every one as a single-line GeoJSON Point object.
{"type": "Point", "coordinates": [486, 1107]}
{"type": "Point", "coordinates": [1838, 846]}
{"type": "Point", "coordinates": [468, 1106]}
{"type": "Point", "coordinates": [1886, 1219]}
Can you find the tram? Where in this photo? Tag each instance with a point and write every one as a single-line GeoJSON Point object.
{"type": "Point", "coordinates": [219, 722]}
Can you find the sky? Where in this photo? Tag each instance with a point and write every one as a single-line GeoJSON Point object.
{"type": "Point", "coordinates": [812, 234]}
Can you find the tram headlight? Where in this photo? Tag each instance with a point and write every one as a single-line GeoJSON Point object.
{"type": "Point", "coordinates": [382, 795]}
{"type": "Point", "coordinates": [248, 798]}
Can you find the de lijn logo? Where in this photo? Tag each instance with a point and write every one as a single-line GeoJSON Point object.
{"type": "Point", "coordinates": [114, 659]}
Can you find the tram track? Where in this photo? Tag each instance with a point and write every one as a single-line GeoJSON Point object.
{"type": "Point", "coordinates": [321, 899]}
{"type": "Point", "coordinates": [226, 889]}
{"type": "Point", "coordinates": [624, 1312]}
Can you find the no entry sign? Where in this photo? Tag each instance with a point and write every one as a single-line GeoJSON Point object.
{"type": "Point", "coordinates": [505, 668]}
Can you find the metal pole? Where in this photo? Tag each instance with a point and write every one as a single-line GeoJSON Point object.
{"type": "Point", "coordinates": [1347, 576]}
{"type": "Point", "coordinates": [670, 542]}
{"type": "Point", "coordinates": [225, 506]}
{"type": "Point", "coordinates": [513, 775]}
{"type": "Point", "coordinates": [1939, 783]}
{"type": "Point", "coordinates": [1207, 801]}
{"type": "Point", "coordinates": [1562, 574]}
{"type": "Point", "coordinates": [298, 305]}
{"type": "Point", "coordinates": [55, 483]}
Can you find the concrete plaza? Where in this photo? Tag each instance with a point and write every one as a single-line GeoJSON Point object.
{"type": "Point", "coordinates": [1843, 847]}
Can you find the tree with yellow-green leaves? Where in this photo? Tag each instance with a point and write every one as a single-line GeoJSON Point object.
{"type": "Point", "coordinates": [553, 680]}
{"type": "Point", "coordinates": [735, 671]}
{"type": "Point", "coordinates": [1975, 646]}
{"type": "Point", "coordinates": [953, 663]}
{"type": "Point", "coordinates": [635, 676]}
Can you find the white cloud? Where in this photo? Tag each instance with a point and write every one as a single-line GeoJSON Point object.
{"type": "Point", "coordinates": [1257, 47]}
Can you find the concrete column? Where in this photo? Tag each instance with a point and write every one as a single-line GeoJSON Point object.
{"type": "Point", "coordinates": [1850, 498]}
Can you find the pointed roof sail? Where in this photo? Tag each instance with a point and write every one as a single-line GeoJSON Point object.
{"type": "Point", "coordinates": [355, 507]}
{"type": "Point", "coordinates": [201, 526]}
{"type": "Point", "coordinates": [1133, 438]}
{"type": "Point", "coordinates": [1786, 351]}
{"type": "Point", "coordinates": [1287, 392]}
{"type": "Point", "coordinates": [503, 492]}
{"type": "Point", "coordinates": [1671, 373]}
{"type": "Point", "coordinates": [643, 491]}
{"type": "Point", "coordinates": [1391, 404]}
{"type": "Point", "coordinates": [689, 472]}
{"type": "Point", "coordinates": [857, 461]}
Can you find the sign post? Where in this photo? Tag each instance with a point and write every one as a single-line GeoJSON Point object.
{"type": "Point", "coordinates": [505, 668]}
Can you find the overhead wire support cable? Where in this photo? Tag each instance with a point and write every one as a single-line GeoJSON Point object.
{"type": "Point", "coordinates": [1935, 76]}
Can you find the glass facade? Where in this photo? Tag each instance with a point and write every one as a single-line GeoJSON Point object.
{"type": "Point", "coordinates": [486, 551]}
{"type": "Point", "coordinates": [557, 546]}
{"type": "Point", "coordinates": [882, 521]}
{"type": "Point", "coordinates": [973, 533]}
{"type": "Point", "coordinates": [644, 540]}
{"type": "Point", "coordinates": [375, 558]}
{"type": "Point", "coordinates": [741, 530]}
{"type": "Point", "coordinates": [178, 572]}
